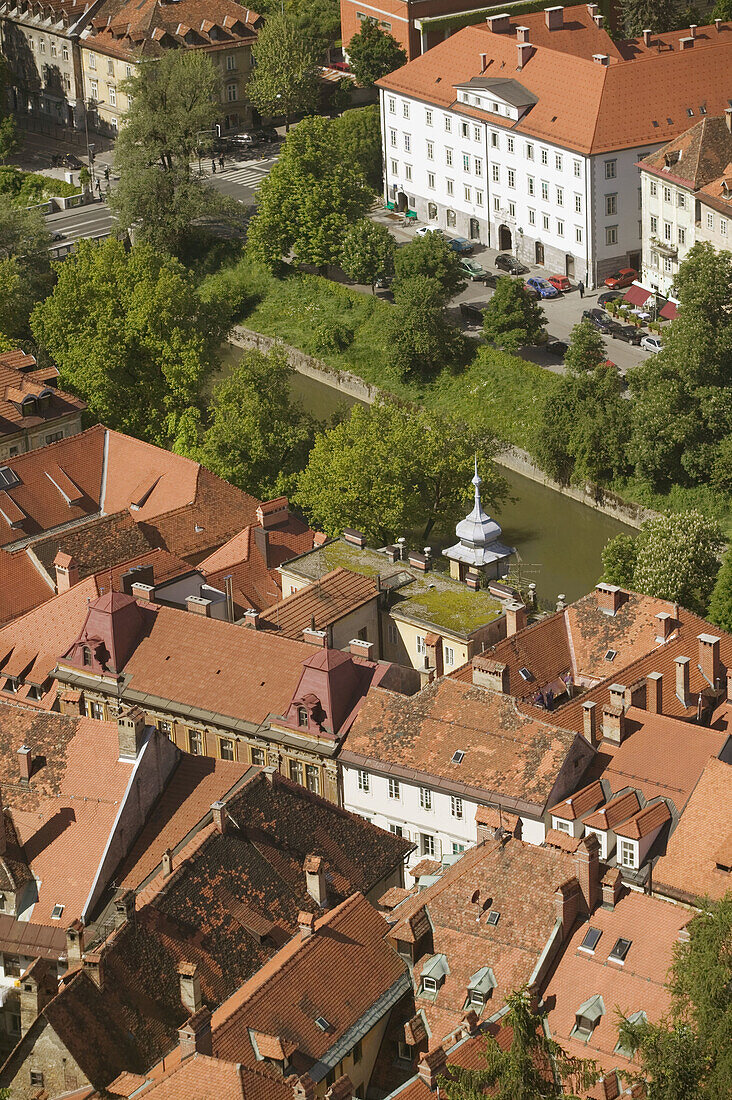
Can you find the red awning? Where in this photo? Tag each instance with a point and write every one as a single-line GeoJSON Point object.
{"type": "Point", "coordinates": [636, 295]}
{"type": "Point", "coordinates": [669, 312]}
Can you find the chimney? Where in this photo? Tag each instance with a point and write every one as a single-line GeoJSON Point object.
{"type": "Point", "coordinates": [665, 627]}
{"type": "Point", "coordinates": [359, 647]}
{"type": "Point", "coordinates": [647, 36]}
{"type": "Point", "coordinates": [554, 18]}
{"type": "Point", "coordinates": [612, 884]}
{"type": "Point", "coordinates": [25, 764]}
{"type": "Point", "coordinates": [608, 595]}
{"type": "Point", "coordinates": [306, 924]}
{"type": "Point", "coordinates": [718, 25]}
{"type": "Point", "coordinates": [342, 1089]}
{"type": "Point", "coordinates": [682, 680]}
{"type": "Point", "coordinates": [138, 574]}
{"type": "Point", "coordinates": [522, 34]}
{"type": "Point", "coordinates": [419, 561]}
{"type": "Point", "coordinates": [692, 30]}
{"type": "Point", "coordinates": [315, 637]}
{"type": "Point", "coordinates": [67, 572]}
{"type": "Point", "coordinates": [499, 24]}
{"type": "Point", "coordinates": [600, 59]}
{"type": "Point", "coordinates": [525, 50]}
{"type": "Point", "coordinates": [74, 942]}
{"type": "Point", "coordinates": [431, 1066]}
{"type": "Point", "coordinates": [567, 898]}
{"type": "Point", "coordinates": [617, 695]}
{"type": "Point", "coordinates": [124, 907]}
{"type": "Point", "coordinates": [130, 732]}
{"type": "Point", "coordinates": [355, 538]}
{"type": "Point", "coordinates": [729, 686]}
{"type": "Point", "coordinates": [589, 722]}
{"type": "Point", "coordinates": [592, 10]}
{"type": "Point", "coordinates": [635, 694]}
{"type": "Point", "coordinates": [199, 606]}
{"type": "Point", "coordinates": [194, 1037]}
{"type": "Point", "coordinates": [686, 43]}
{"type": "Point", "coordinates": [94, 967]}
{"type": "Point", "coordinates": [143, 591]}
{"type": "Point", "coordinates": [218, 813]}
{"type": "Point", "coordinates": [190, 987]}
{"type": "Point", "coordinates": [483, 61]}
{"type": "Point", "coordinates": [654, 693]}
{"type": "Point", "coordinates": [598, 21]}
{"type": "Point", "coordinates": [303, 1088]}
{"type": "Point", "coordinates": [251, 618]}
{"type": "Point", "coordinates": [613, 724]}
{"type": "Point", "coordinates": [317, 887]}
{"type": "Point", "coordinates": [261, 541]}
{"type": "Point", "coordinates": [515, 617]}
{"type": "Point", "coordinates": [709, 664]}
{"type": "Point", "coordinates": [37, 987]}
{"type": "Point", "coordinates": [490, 674]}
{"type": "Point", "coordinates": [728, 118]}
{"type": "Point", "coordinates": [167, 863]}
{"type": "Point", "coordinates": [587, 866]}
{"type": "Point", "coordinates": [271, 513]}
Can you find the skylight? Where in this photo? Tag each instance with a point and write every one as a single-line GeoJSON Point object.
{"type": "Point", "coordinates": [57, 911]}
{"type": "Point", "coordinates": [322, 1023]}
{"type": "Point", "coordinates": [493, 917]}
{"type": "Point", "coordinates": [525, 674]}
{"type": "Point", "coordinates": [592, 936]}
{"type": "Point", "coordinates": [620, 950]}
{"type": "Point", "coordinates": [457, 756]}
{"type": "Point", "coordinates": [611, 654]}
{"type": "Point", "coordinates": [8, 478]}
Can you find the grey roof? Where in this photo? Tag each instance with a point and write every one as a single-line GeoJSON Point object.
{"type": "Point", "coordinates": [592, 1009]}
{"type": "Point", "coordinates": [483, 980]}
{"type": "Point", "coordinates": [505, 87]}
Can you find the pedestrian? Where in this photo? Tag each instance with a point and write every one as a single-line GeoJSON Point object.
{"type": "Point", "coordinates": [581, 288]}
{"type": "Point", "coordinates": [99, 188]}
{"type": "Point", "coordinates": [221, 162]}
{"type": "Point", "coordinates": [106, 173]}
{"type": "Point", "coordinates": [213, 166]}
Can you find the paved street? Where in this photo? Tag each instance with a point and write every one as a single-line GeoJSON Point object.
{"type": "Point", "coordinates": [94, 220]}
{"type": "Point", "coordinates": [241, 178]}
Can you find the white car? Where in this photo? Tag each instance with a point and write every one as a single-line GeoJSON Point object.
{"type": "Point", "coordinates": [651, 343]}
{"type": "Point", "coordinates": [425, 229]}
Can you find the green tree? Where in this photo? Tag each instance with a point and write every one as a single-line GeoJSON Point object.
{"type": "Point", "coordinates": [431, 255]}
{"type": "Point", "coordinates": [285, 78]}
{"type": "Point", "coordinates": [25, 269]}
{"type": "Point", "coordinates": [172, 113]}
{"type": "Point", "coordinates": [388, 469]}
{"type": "Point", "coordinates": [512, 318]}
{"type": "Point", "coordinates": [257, 438]}
{"type": "Point", "coordinates": [688, 1055]}
{"type": "Point", "coordinates": [9, 140]}
{"type": "Point", "coordinates": [368, 252]}
{"type": "Point", "coordinates": [131, 335]}
{"type": "Point", "coordinates": [619, 557]}
{"type": "Point", "coordinates": [309, 200]}
{"type": "Point", "coordinates": [723, 10]}
{"type": "Point", "coordinates": [372, 53]}
{"type": "Point", "coordinates": [720, 604]}
{"type": "Point", "coordinates": [534, 1067]}
{"type": "Point", "coordinates": [420, 339]}
{"type": "Point", "coordinates": [656, 15]}
{"type": "Point", "coordinates": [586, 349]}
{"type": "Point", "coordinates": [704, 283]}
{"type": "Point", "coordinates": [357, 134]}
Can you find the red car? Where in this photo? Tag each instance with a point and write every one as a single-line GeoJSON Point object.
{"type": "Point", "coordinates": [625, 277]}
{"type": "Point", "coordinates": [559, 282]}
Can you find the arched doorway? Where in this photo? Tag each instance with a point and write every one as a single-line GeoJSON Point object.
{"type": "Point", "coordinates": [474, 229]}
{"type": "Point", "coordinates": [569, 266]}
{"type": "Point", "coordinates": [432, 211]}
{"type": "Point", "coordinates": [505, 240]}
{"type": "Point", "coordinates": [539, 253]}
{"type": "Point", "coordinates": [401, 202]}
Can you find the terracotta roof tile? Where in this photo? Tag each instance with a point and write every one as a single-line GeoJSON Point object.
{"type": "Point", "coordinates": [23, 587]}
{"type": "Point", "coordinates": [614, 812]}
{"type": "Point", "coordinates": [20, 378]}
{"type": "Point", "coordinates": [645, 821]}
{"type": "Point", "coordinates": [321, 603]}
{"type": "Point", "coordinates": [582, 802]}
{"type": "Point", "coordinates": [555, 838]}
{"type": "Point", "coordinates": [200, 1076]}
{"type": "Point", "coordinates": [695, 158]}
{"type": "Point", "coordinates": [136, 30]}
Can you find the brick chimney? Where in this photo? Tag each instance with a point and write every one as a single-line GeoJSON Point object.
{"type": "Point", "coordinates": [360, 648]}
{"type": "Point", "coordinates": [67, 571]}
{"type": "Point", "coordinates": [435, 657]}
{"type": "Point", "coordinates": [303, 1088]}
{"type": "Point", "coordinates": [483, 61]}
{"type": "Point", "coordinates": [692, 30]}
{"type": "Point", "coordinates": [271, 513]}
{"type": "Point", "coordinates": [342, 1089]}
{"type": "Point", "coordinates": [316, 885]}
{"type": "Point", "coordinates": [729, 686]}
{"type": "Point", "coordinates": [25, 764]}
{"type": "Point", "coordinates": [190, 987]}
{"type": "Point", "coordinates": [665, 627]}
{"type": "Point", "coordinates": [261, 541]}
{"type": "Point", "coordinates": [554, 18]}
{"type": "Point", "coordinates": [355, 538]}
{"type": "Point", "coordinates": [600, 58]}
{"type": "Point", "coordinates": [199, 606]}
{"type": "Point", "coordinates": [524, 50]}
{"type": "Point", "coordinates": [587, 864]}
{"type": "Point", "coordinates": [608, 596]}
{"type": "Point", "coordinates": [94, 966]}
{"type": "Point", "coordinates": [431, 1066]}
{"type": "Point", "coordinates": [567, 901]}
{"type": "Point", "coordinates": [218, 813]}
{"type": "Point", "coordinates": [617, 695]}
{"type": "Point", "coordinates": [131, 733]}
{"type": "Point", "coordinates": [143, 591]}
{"type": "Point", "coordinates": [589, 722]}
{"type": "Point", "coordinates": [515, 617]}
{"type": "Point", "coordinates": [167, 863]}
{"type": "Point", "coordinates": [612, 884]}
{"type": "Point", "coordinates": [682, 680]}
{"type": "Point", "coordinates": [306, 924]}
{"type": "Point", "coordinates": [709, 664]}
{"type": "Point", "coordinates": [74, 942]}
{"type": "Point", "coordinates": [138, 574]}
{"type": "Point", "coordinates": [522, 34]}
{"type": "Point", "coordinates": [647, 36]}
{"type": "Point", "coordinates": [490, 673]}
{"type": "Point", "coordinates": [592, 10]}
{"type": "Point", "coordinates": [654, 693]}
{"type": "Point", "coordinates": [315, 637]}
{"type": "Point", "coordinates": [124, 907]}
{"type": "Point", "coordinates": [251, 618]}
{"type": "Point", "coordinates": [38, 986]}
{"type": "Point", "coordinates": [686, 43]}
{"type": "Point", "coordinates": [598, 20]}
{"type": "Point", "coordinates": [194, 1037]}
{"type": "Point", "coordinates": [728, 118]}
{"type": "Point", "coordinates": [499, 24]}
{"type": "Point", "coordinates": [613, 723]}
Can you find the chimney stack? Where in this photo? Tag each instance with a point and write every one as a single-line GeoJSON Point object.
{"type": "Point", "coordinates": [499, 24]}
{"type": "Point", "coordinates": [218, 813]}
{"type": "Point", "coordinates": [194, 1037]}
{"type": "Point", "coordinates": [130, 733]}
{"type": "Point", "coordinates": [612, 884]}
{"type": "Point", "coordinates": [682, 680]}
{"type": "Point", "coordinates": [271, 513]}
{"type": "Point", "coordinates": [601, 59]}
{"type": "Point", "coordinates": [587, 865]}
{"type": "Point", "coordinates": [74, 942]}
{"type": "Point", "coordinates": [647, 36]}
{"type": "Point", "coordinates": [598, 21]}
{"type": "Point", "coordinates": [190, 987]}
{"type": "Point", "coordinates": [613, 723]}
{"type": "Point", "coordinates": [728, 118]}
{"type": "Point", "coordinates": [483, 61]}
{"type": "Point", "coordinates": [589, 722]}
{"type": "Point", "coordinates": [315, 637]}
{"type": "Point", "coordinates": [522, 34]}
{"type": "Point", "coordinates": [692, 30]}
{"type": "Point", "coordinates": [654, 693]}
{"type": "Point", "coordinates": [525, 50]}
{"type": "Point", "coordinates": [607, 595]}
{"type": "Point", "coordinates": [167, 863]}
{"type": "Point", "coordinates": [199, 606]}
{"type": "Point", "coordinates": [37, 987]}
{"type": "Point", "coordinates": [144, 592]}
{"type": "Point", "coordinates": [554, 18]}
{"type": "Point", "coordinates": [617, 695]}
{"type": "Point", "coordinates": [515, 617]}
{"type": "Point", "coordinates": [709, 663]}
{"type": "Point", "coordinates": [359, 647]}
{"type": "Point", "coordinates": [25, 763]}
{"type": "Point", "coordinates": [306, 924]}
{"type": "Point", "coordinates": [567, 899]}
{"type": "Point", "coordinates": [67, 572]}
{"type": "Point", "coordinates": [94, 967]}
{"type": "Point", "coordinates": [592, 9]}
{"type": "Point", "coordinates": [317, 887]}
{"type": "Point", "coordinates": [431, 1066]}
{"type": "Point", "coordinates": [665, 627]}
{"type": "Point", "coordinates": [251, 618]}
{"type": "Point", "coordinates": [261, 541]}
{"type": "Point", "coordinates": [686, 43]}
{"type": "Point", "coordinates": [490, 674]}
{"type": "Point", "coordinates": [342, 1089]}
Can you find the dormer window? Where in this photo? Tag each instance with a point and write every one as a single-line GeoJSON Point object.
{"type": "Point", "coordinates": [434, 972]}
{"type": "Point", "coordinates": [302, 717]}
{"type": "Point", "coordinates": [480, 987]}
{"type": "Point", "coordinates": [587, 1017]}
{"type": "Point", "coordinates": [86, 656]}
{"type": "Point", "coordinates": [628, 1051]}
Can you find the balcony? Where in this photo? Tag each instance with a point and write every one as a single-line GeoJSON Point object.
{"type": "Point", "coordinates": [664, 248]}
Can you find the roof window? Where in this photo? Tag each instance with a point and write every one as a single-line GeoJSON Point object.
{"type": "Point", "coordinates": [458, 756]}
{"type": "Point", "coordinates": [434, 973]}
{"type": "Point", "coordinates": [322, 1023]}
{"type": "Point", "coordinates": [57, 911]}
{"type": "Point", "coordinates": [493, 918]}
{"type": "Point", "coordinates": [480, 986]}
{"type": "Point", "coordinates": [592, 937]}
{"type": "Point", "coordinates": [702, 110]}
{"type": "Point", "coordinates": [620, 950]}
{"type": "Point", "coordinates": [525, 674]}
{"type": "Point", "coordinates": [611, 654]}
{"type": "Point", "coordinates": [690, 112]}
{"type": "Point", "coordinates": [8, 478]}
{"type": "Point", "coordinates": [587, 1017]}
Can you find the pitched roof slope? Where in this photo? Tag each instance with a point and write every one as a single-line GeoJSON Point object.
{"type": "Point", "coordinates": [199, 1076]}
{"type": "Point", "coordinates": [320, 604]}
{"type": "Point", "coordinates": [705, 151]}
{"type": "Point", "coordinates": [23, 586]}
{"type": "Point", "coordinates": [21, 378]}
{"type": "Point", "coordinates": [255, 578]}
{"type": "Point", "coordinates": [134, 29]}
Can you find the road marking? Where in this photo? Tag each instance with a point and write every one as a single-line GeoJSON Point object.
{"type": "Point", "coordinates": [245, 175]}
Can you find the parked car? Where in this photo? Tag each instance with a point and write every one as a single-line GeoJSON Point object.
{"type": "Point", "coordinates": [543, 288]}
{"type": "Point", "coordinates": [627, 333]}
{"type": "Point", "coordinates": [608, 296]}
{"type": "Point", "coordinates": [425, 229]}
{"type": "Point", "coordinates": [461, 245]}
{"type": "Point", "coordinates": [507, 262]}
{"type": "Point", "coordinates": [267, 134]}
{"type": "Point", "coordinates": [472, 312]}
{"type": "Point", "coordinates": [651, 343]}
{"type": "Point", "coordinates": [557, 347]}
{"type": "Point", "coordinates": [559, 282]}
{"type": "Point", "coordinates": [472, 270]}
{"type": "Point", "coordinates": [625, 277]}
{"type": "Point", "coordinates": [491, 279]}
{"type": "Point", "coordinates": [597, 318]}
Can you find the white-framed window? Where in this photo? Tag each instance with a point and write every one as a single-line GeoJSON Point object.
{"type": "Point", "coordinates": [110, 67]}
{"type": "Point", "coordinates": [195, 742]}
{"type": "Point", "coordinates": [405, 109]}
{"type": "Point", "coordinates": [710, 221]}
{"type": "Point", "coordinates": [578, 234]}
{"type": "Point", "coordinates": [448, 157]}
{"type": "Point", "coordinates": [494, 139]}
{"type": "Point", "coordinates": [545, 156]}
{"type": "Point", "coordinates": [448, 124]}
{"type": "Point", "coordinates": [476, 133]}
{"type": "Point", "coordinates": [407, 171]}
{"type": "Point", "coordinates": [431, 180]}
{"type": "Point", "coordinates": [394, 789]}
{"type": "Point", "coordinates": [428, 117]}
{"type": "Point", "coordinates": [723, 226]}
{"type": "Point", "coordinates": [54, 49]}
{"type": "Point", "coordinates": [511, 178]}
{"type": "Point", "coordinates": [42, 45]}
{"type": "Point", "coordinates": [653, 188]}
{"type": "Point", "coordinates": [92, 61]}
{"type": "Point", "coordinates": [654, 259]}
{"type": "Point", "coordinates": [478, 166]}
{"type": "Point", "coordinates": [509, 144]}
{"type": "Point", "coordinates": [465, 128]}
{"type": "Point", "coordinates": [94, 86]}
{"type": "Point", "coordinates": [611, 234]}
{"type": "Point", "coordinates": [667, 231]}
{"type": "Point", "coordinates": [560, 228]}
{"type": "Point", "coordinates": [529, 148]}
{"type": "Point", "coordinates": [393, 138]}
{"type": "Point", "coordinates": [112, 95]}
{"type": "Point", "coordinates": [512, 209]}
{"type": "Point", "coordinates": [667, 194]}
{"type": "Point", "coordinates": [466, 162]}
{"type": "Point", "coordinates": [226, 748]}
{"type": "Point", "coordinates": [560, 196]}
{"type": "Point", "coordinates": [392, 105]}
{"type": "Point", "coordinates": [577, 165]}
{"type": "Point", "coordinates": [457, 849]}
{"type": "Point", "coordinates": [530, 184]}
{"type": "Point", "coordinates": [558, 161]}
{"type": "Point", "coordinates": [654, 224]}
{"type": "Point", "coordinates": [364, 781]}
{"type": "Point", "coordinates": [496, 173]}
{"type": "Point", "coordinates": [427, 845]}
{"type": "Point", "coordinates": [611, 169]}
{"type": "Point", "coordinates": [545, 190]}
{"type": "Point", "coordinates": [64, 52]}
{"type": "Point", "coordinates": [532, 217]}
{"type": "Point", "coordinates": [450, 187]}
{"type": "Point", "coordinates": [397, 830]}
{"type": "Point", "coordinates": [407, 143]}
{"type": "Point", "coordinates": [466, 191]}
{"type": "Point", "coordinates": [545, 222]}
{"type": "Point", "coordinates": [425, 798]}
{"type": "Point", "coordinates": [430, 150]}
{"type": "Point", "coordinates": [577, 204]}
{"type": "Point", "coordinates": [449, 650]}
{"type": "Point", "coordinates": [478, 198]}
{"type": "Point", "coordinates": [627, 853]}
{"type": "Point", "coordinates": [611, 205]}
{"type": "Point", "coordinates": [681, 199]}
{"type": "Point", "coordinates": [258, 758]}
{"type": "Point", "coordinates": [420, 644]}
{"type": "Point", "coordinates": [681, 233]}
{"type": "Point", "coordinates": [450, 215]}
{"type": "Point", "coordinates": [496, 203]}
{"type": "Point", "coordinates": [395, 168]}
{"type": "Point", "coordinates": [668, 265]}
{"type": "Point", "coordinates": [231, 93]}
{"type": "Point", "coordinates": [456, 807]}
{"type": "Point", "coordinates": [128, 70]}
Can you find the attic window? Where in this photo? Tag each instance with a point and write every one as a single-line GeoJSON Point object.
{"type": "Point", "coordinates": [620, 950]}
{"type": "Point", "coordinates": [587, 1017]}
{"type": "Point", "coordinates": [702, 110]}
{"type": "Point", "coordinates": [86, 656]}
{"type": "Point", "coordinates": [57, 911]}
{"type": "Point", "coordinates": [611, 654]}
{"type": "Point", "coordinates": [525, 674]}
{"type": "Point", "coordinates": [690, 112]}
{"type": "Point", "coordinates": [8, 478]}
{"type": "Point", "coordinates": [626, 1051]}
{"type": "Point", "coordinates": [654, 123]}
{"type": "Point", "coordinates": [302, 717]}
{"type": "Point", "coordinates": [493, 918]}
{"type": "Point", "coordinates": [322, 1023]}
{"type": "Point", "coordinates": [592, 937]}
{"type": "Point", "coordinates": [458, 756]}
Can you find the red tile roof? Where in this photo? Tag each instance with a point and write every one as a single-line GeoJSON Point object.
{"type": "Point", "coordinates": [697, 157]}
{"type": "Point", "coordinates": [614, 812]}
{"type": "Point", "coordinates": [19, 378]}
{"type": "Point", "coordinates": [582, 802]}
{"type": "Point", "coordinates": [199, 1077]}
{"type": "Point", "coordinates": [320, 604]}
{"type": "Point", "coordinates": [23, 585]}
{"type": "Point", "coordinates": [135, 30]}
{"type": "Point", "coordinates": [645, 821]}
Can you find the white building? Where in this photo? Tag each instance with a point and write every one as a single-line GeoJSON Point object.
{"type": "Point", "coordinates": [527, 137]}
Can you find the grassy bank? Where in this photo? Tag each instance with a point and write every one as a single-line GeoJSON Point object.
{"type": "Point", "coordinates": [29, 188]}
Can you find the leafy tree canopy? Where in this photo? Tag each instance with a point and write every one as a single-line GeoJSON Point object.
{"type": "Point", "coordinates": [586, 348]}
{"type": "Point", "coordinates": [357, 134]}
{"type": "Point", "coordinates": [723, 10]}
{"type": "Point", "coordinates": [373, 52]}
{"type": "Point", "coordinates": [25, 270]}
{"type": "Point", "coordinates": [656, 15]}
{"type": "Point", "coordinates": [285, 78]}
{"type": "Point", "coordinates": [368, 252]}
{"type": "Point", "coordinates": [130, 335]}
{"type": "Point", "coordinates": [720, 604]}
{"type": "Point", "coordinates": [512, 318]}
{"type": "Point", "coordinates": [432, 256]}
{"type": "Point", "coordinates": [389, 469]}
{"type": "Point", "coordinates": [619, 557]}
{"type": "Point", "coordinates": [420, 338]}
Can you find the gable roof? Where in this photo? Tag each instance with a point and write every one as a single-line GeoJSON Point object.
{"type": "Point", "coordinates": [199, 1076]}
{"type": "Point", "coordinates": [135, 29]}
{"type": "Point", "coordinates": [20, 377]}
{"type": "Point", "coordinates": [320, 604]}
{"type": "Point", "coordinates": [704, 151]}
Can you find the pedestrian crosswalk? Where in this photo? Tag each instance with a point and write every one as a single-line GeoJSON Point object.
{"type": "Point", "coordinates": [246, 174]}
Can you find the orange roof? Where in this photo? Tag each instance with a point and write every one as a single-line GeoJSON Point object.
{"type": "Point", "coordinates": [645, 822]}
{"type": "Point", "coordinates": [555, 838]}
{"type": "Point", "coordinates": [629, 102]}
{"type": "Point", "coordinates": [20, 378]}
{"type": "Point", "coordinates": [23, 586]}
{"type": "Point", "coordinates": [689, 869]}
{"type": "Point", "coordinates": [199, 1076]}
{"type": "Point", "coordinates": [132, 29]}
{"type": "Point", "coordinates": [320, 604]}
{"type": "Point", "coordinates": [614, 812]}
{"type": "Point", "coordinates": [586, 799]}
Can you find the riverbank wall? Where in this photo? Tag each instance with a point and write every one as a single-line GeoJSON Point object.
{"type": "Point", "coordinates": [513, 458]}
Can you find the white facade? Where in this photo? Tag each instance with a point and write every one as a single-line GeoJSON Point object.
{"type": "Point", "coordinates": [576, 215]}
{"type": "Point", "coordinates": [439, 823]}
{"type": "Point", "coordinates": [669, 230]}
